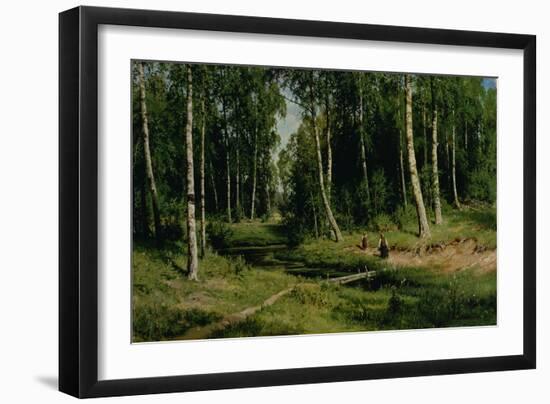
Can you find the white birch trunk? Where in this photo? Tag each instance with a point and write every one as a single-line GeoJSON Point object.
{"type": "Point", "coordinates": [202, 184]}
{"type": "Point", "coordinates": [453, 163]}
{"type": "Point", "coordinates": [329, 150]}
{"type": "Point", "coordinates": [227, 165]}
{"type": "Point", "coordinates": [435, 166]}
{"type": "Point", "coordinates": [147, 154]}
{"type": "Point", "coordinates": [362, 141]}
{"type": "Point", "coordinates": [401, 163]}
{"type": "Point", "coordinates": [192, 258]}
{"type": "Point", "coordinates": [423, 227]}
{"type": "Point", "coordinates": [254, 170]}
{"type": "Point", "coordinates": [328, 210]}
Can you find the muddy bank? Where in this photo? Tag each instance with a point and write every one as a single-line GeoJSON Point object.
{"type": "Point", "coordinates": [453, 256]}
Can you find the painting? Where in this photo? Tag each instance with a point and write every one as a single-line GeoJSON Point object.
{"type": "Point", "coordinates": [271, 201]}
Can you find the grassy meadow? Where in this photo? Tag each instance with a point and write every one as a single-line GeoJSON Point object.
{"type": "Point", "coordinates": [167, 306]}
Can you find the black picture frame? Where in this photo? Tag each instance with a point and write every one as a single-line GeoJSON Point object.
{"type": "Point", "coordinates": [78, 201]}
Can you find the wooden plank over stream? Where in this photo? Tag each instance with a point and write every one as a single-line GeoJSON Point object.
{"type": "Point", "coordinates": [351, 278]}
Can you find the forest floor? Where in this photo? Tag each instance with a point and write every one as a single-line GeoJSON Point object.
{"type": "Point", "coordinates": [450, 281]}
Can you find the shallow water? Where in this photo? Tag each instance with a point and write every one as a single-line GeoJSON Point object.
{"type": "Point", "coordinates": [264, 258]}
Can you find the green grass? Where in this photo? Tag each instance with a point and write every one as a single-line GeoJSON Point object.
{"type": "Point", "coordinates": [166, 304]}
{"type": "Point", "coordinates": [410, 299]}
{"type": "Point", "coordinates": [247, 234]}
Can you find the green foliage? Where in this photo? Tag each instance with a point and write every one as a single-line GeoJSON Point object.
{"type": "Point", "coordinates": [395, 303]}
{"type": "Point", "coordinates": [219, 234]}
{"type": "Point", "coordinates": [379, 192]}
{"type": "Point", "coordinates": [154, 321]}
{"type": "Point", "coordinates": [482, 186]}
{"type": "Point", "coordinates": [312, 294]}
{"type": "Point", "coordinates": [240, 265]}
{"type": "Point", "coordinates": [405, 216]}
{"type": "Point", "coordinates": [240, 109]}
{"type": "Point", "coordinates": [383, 223]}
{"type": "Point", "coordinates": [255, 233]}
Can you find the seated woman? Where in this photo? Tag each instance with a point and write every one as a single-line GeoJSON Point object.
{"type": "Point", "coordinates": [364, 242]}
{"type": "Point", "coordinates": [383, 246]}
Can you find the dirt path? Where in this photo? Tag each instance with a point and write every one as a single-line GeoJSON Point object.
{"type": "Point", "coordinates": [234, 318]}
{"type": "Point", "coordinates": [457, 255]}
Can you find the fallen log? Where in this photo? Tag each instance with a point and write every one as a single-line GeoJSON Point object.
{"type": "Point", "coordinates": [351, 278]}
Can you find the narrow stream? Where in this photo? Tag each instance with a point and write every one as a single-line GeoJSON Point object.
{"type": "Point", "coordinates": [264, 258]}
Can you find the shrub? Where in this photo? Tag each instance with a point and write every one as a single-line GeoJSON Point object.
{"type": "Point", "coordinates": [239, 265]}
{"type": "Point", "coordinates": [378, 191]}
{"type": "Point", "coordinates": [482, 186]}
{"type": "Point", "coordinates": [311, 295]}
{"type": "Point", "coordinates": [405, 216]}
{"type": "Point", "coordinates": [383, 223]}
{"type": "Point", "coordinates": [219, 234]}
{"type": "Point", "coordinates": [395, 303]}
{"type": "Point", "coordinates": [294, 231]}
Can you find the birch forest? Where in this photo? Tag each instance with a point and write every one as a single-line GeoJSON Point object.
{"type": "Point", "coordinates": [264, 191]}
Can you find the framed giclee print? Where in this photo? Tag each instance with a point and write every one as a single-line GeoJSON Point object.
{"type": "Point", "coordinates": [251, 202]}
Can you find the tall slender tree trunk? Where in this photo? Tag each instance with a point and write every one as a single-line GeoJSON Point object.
{"type": "Point", "coordinates": [192, 257]}
{"type": "Point", "coordinates": [328, 210]}
{"type": "Point", "coordinates": [147, 154]}
{"type": "Point", "coordinates": [315, 224]}
{"type": "Point", "coordinates": [425, 133]}
{"type": "Point", "coordinates": [435, 168]}
{"type": "Point", "coordinates": [453, 163]}
{"type": "Point", "coordinates": [143, 195]}
{"type": "Point", "coordinates": [423, 227]}
{"type": "Point", "coordinates": [329, 149]}
{"type": "Point", "coordinates": [202, 184]}
{"type": "Point", "coordinates": [228, 180]}
{"type": "Point", "coordinates": [448, 156]}
{"type": "Point", "coordinates": [401, 164]}
{"type": "Point", "coordinates": [402, 169]}
{"type": "Point", "coordinates": [214, 190]}
{"type": "Point", "coordinates": [362, 140]}
{"type": "Point", "coordinates": [227, 164]}
{"type": "Point", "coordinates": [267, 198]}
{"type": "Point", "coordinates": [254, 179]}
{"type": "Point", "coordinates": [238, 182]}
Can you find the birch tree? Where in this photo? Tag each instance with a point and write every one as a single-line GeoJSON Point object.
{"type": "Point", "coordinates": [202, 176]}
{"type": "Point", "coordinates": [400, 125]}
{"type": "Point", "coordinates": [362, 135]}
{"type": "Point", "coordinates": [328, 134]}
{"type": "Point", "coordinates": [192, 253]}
{"type": "Point", "coordinates": [326, 203]}
{"type": "Point", "coordinates": [435, 171]}
{"type": "Point", "coordinates": [147, 153]}
{"type": "Point", "coordinates": [423, 227]}
{"type": "Point", "coordinates": [453, 161]}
